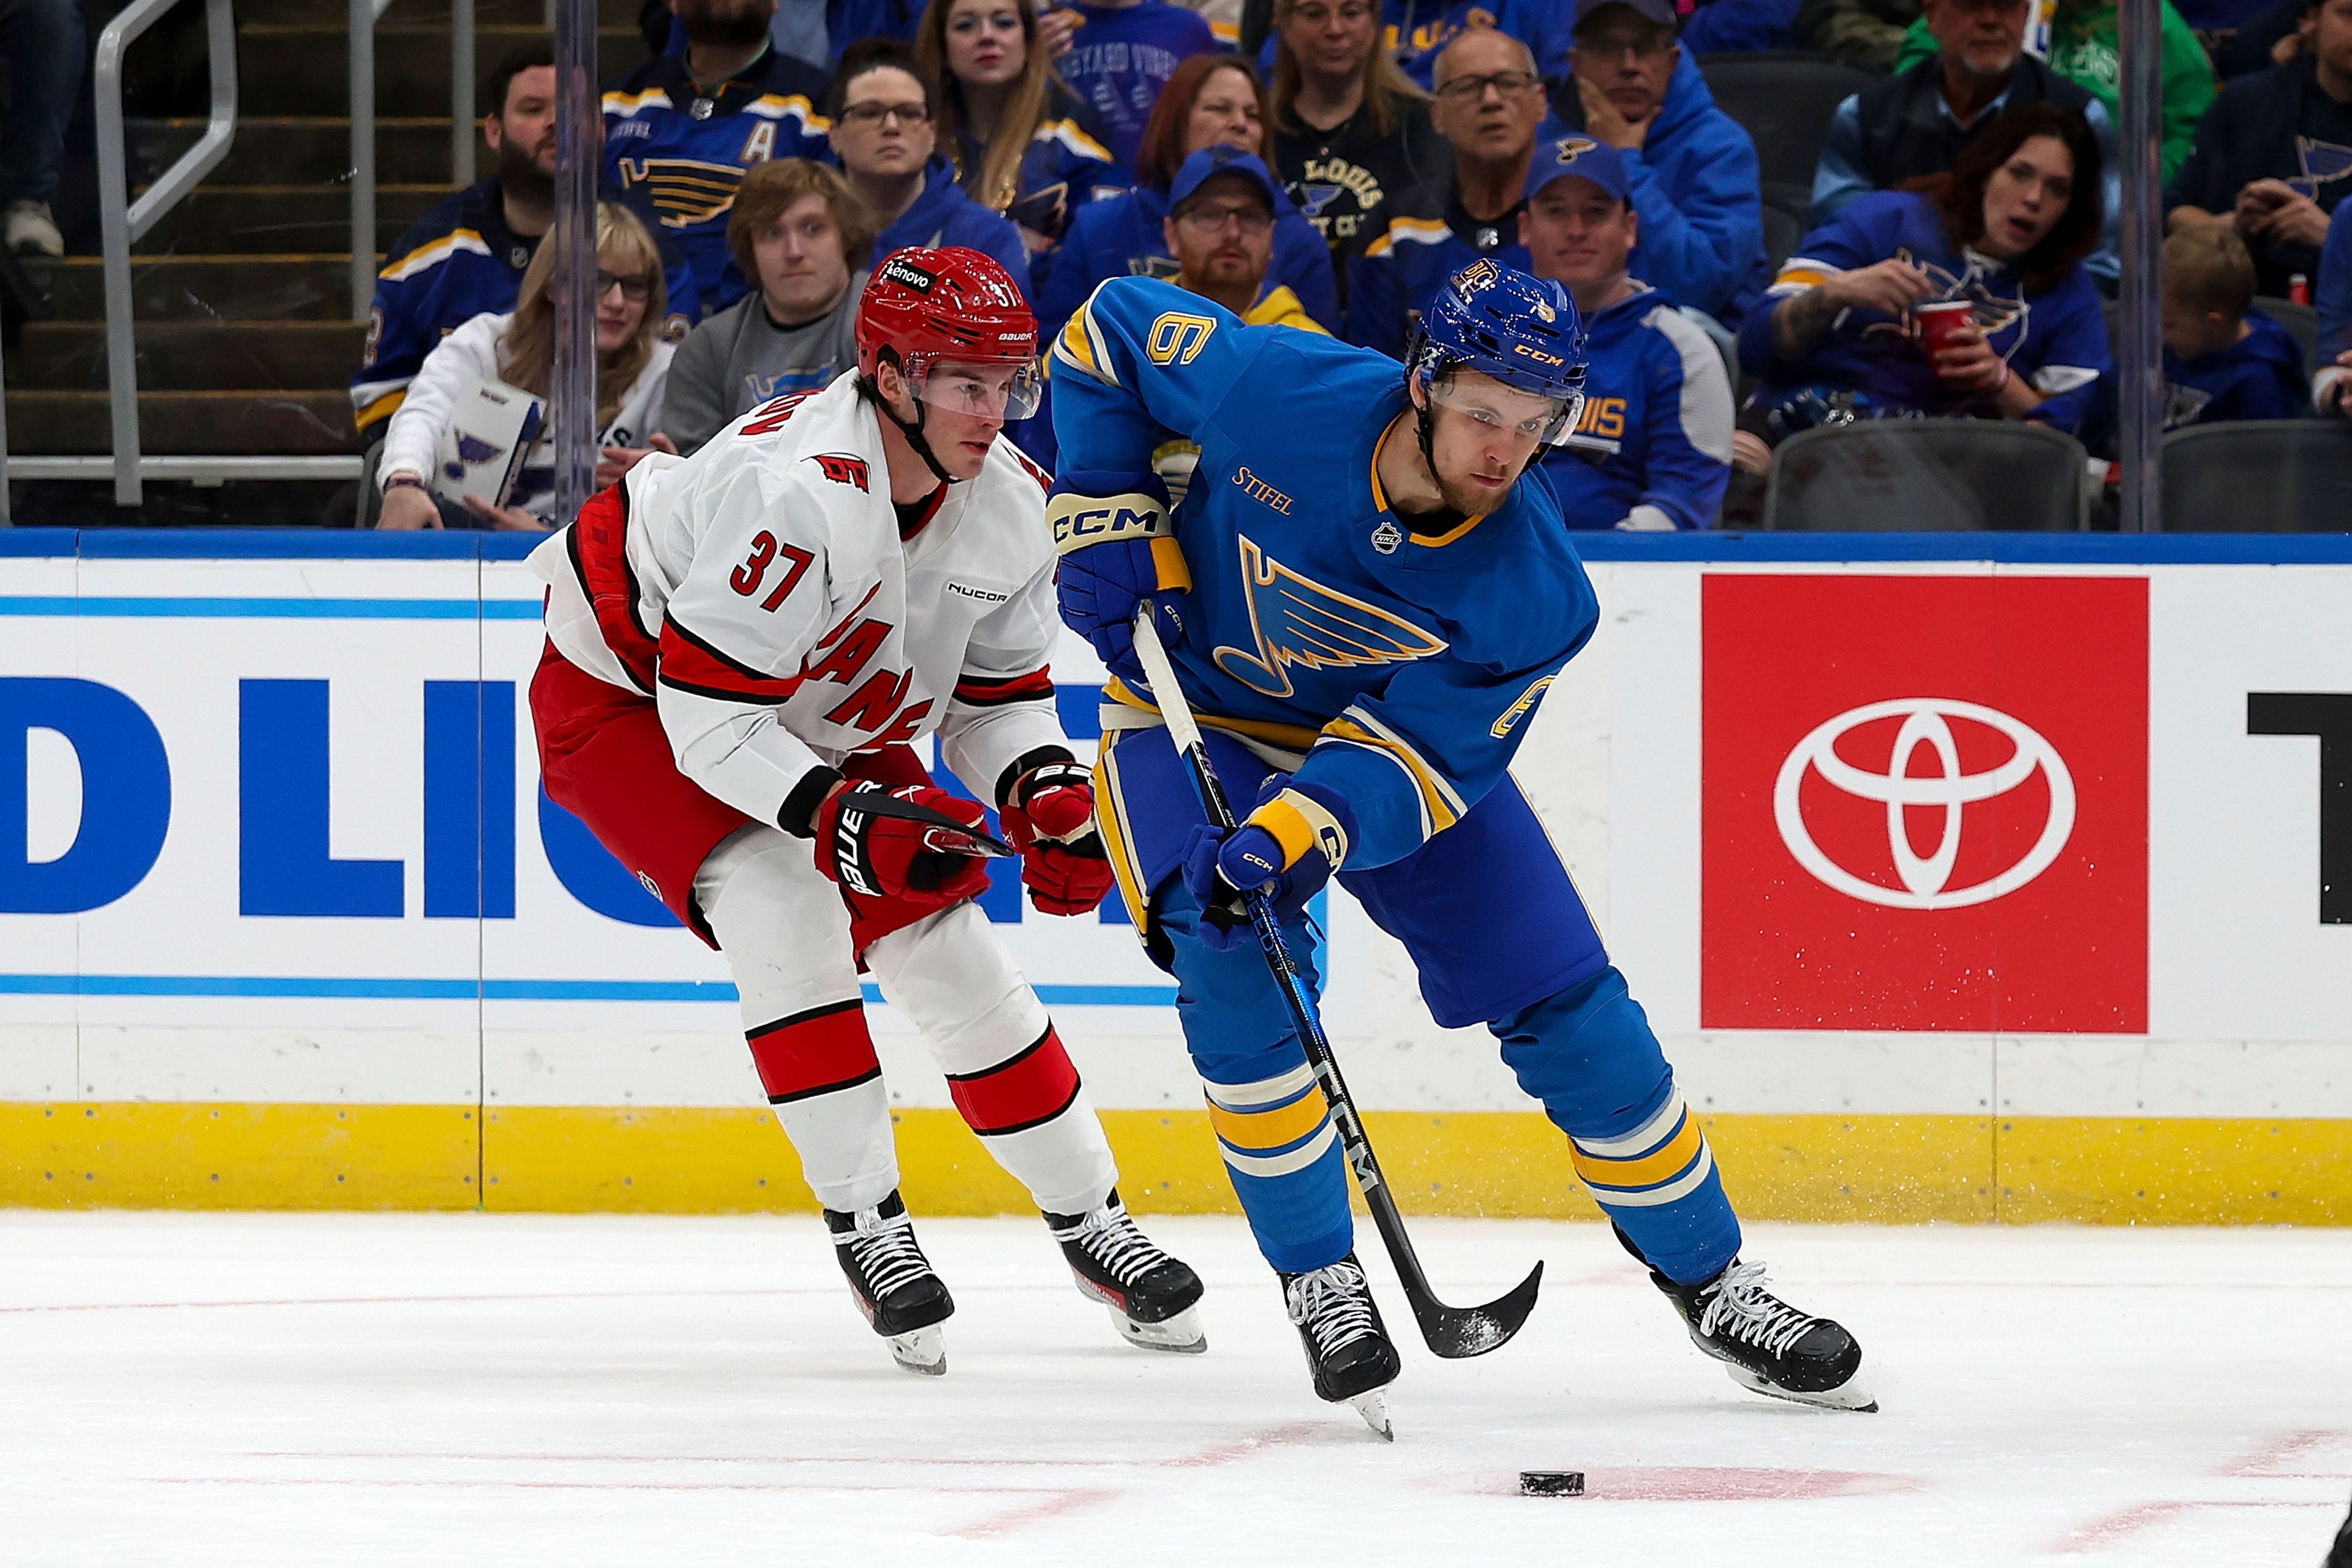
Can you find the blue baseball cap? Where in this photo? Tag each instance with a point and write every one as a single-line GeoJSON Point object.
{"type": "Point", "coordinates": [1210, 162]}
{"type": "Point", "coordinates": [1662, 11]}
{"type": "Point", "coordinates": [1573, 153]}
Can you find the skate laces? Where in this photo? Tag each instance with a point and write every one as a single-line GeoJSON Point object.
{"type": "Point", "coordinates": [1111, 1240]}
{"type": "Point", "coordinates": [884, 1248]}
{"type": "Point", "coordinates": [1333, 1304]}
{"type": "Point", "coordinates": [1742, 1307]}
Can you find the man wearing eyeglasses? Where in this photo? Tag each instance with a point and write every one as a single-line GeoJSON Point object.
{"type": "Point", "coordinates": [1220, 229]}
{"type": "Point", "coordinates": [1691, 172]}
{"type": "Point", "coordinates": [1489, 102]}
{"type": "Point", "coordinates": [884, 134]}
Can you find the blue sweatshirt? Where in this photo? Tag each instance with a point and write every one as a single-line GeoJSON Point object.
{"type": "Point", "coordinates": [1654, 448]}
{"type": "Point", "coordinates": [1740, 28]}
{"type": "Point", "coordinates": [2333, 297]}
{"type": "Point", "coordinates": [1698, 191]}
{"type": "Point", "coordinates": [1119, 236]}
{"type": "Point", "coordinates": [2258, 377]}
{"type": "Point", "coordinates": [1067, 165]}
{"type": "Point", "coordinates": [944, 214]}
{"type": "Point", "coordinates": [1121, 57]}
{"type": "Point", "coordinates": [2056, 338]}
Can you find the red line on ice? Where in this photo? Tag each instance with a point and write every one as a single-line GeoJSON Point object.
{"type": "Point", "coordinates": [2105, 1532]}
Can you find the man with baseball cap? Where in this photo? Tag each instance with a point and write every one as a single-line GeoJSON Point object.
{"type": "Point", "coordinates": [1690, 169]}
{"type": "Point", "coordinates": [1220, 229]}
{"type": "Point", "coordinates": [1653, 450]}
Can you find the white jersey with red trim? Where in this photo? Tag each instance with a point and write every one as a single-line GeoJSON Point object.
{"type": "Point", "coordinates": [761, 592]}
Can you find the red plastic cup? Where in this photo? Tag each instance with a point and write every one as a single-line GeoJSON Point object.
{"type": "Point", "coordinates": [1939, 321]}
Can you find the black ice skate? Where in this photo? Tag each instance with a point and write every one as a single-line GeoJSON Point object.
{"type": "Point", "coordinates": [1347, 1347]}
{"type": "Point", "coordinates": [1150, 1294]}
{"type": "Point", "coordinates": [893, 1281]}
{"type": "Point", "coordinates": [1767, 1344]}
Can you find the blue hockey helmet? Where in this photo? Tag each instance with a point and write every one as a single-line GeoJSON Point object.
{"type": "Point", "coordinates": [1508, 324]}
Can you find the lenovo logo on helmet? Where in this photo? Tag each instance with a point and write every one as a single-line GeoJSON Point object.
{"type": "Point", "coordinates": [899, 270]}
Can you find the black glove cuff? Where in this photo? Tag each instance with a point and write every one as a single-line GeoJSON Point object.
{"type": "Point", "coordinates": [794, 815]}
{"type": "Point", "coordinates": [1028, 763]}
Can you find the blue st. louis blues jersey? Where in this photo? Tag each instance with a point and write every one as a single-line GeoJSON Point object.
{"type": "Point", "coordinates": [1404, 667]}
{"type": "Point", "coordinates": [688, 150]}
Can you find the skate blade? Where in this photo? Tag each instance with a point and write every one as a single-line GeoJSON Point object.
{"type": "Point", "coordinates": [1180, 1335]}
{"type": "Point", "coordinates": [1374, 1408]}
{"type": "Point", "coordinates": [925, 1350]}
{"type": "Point", "coordinates": [1848, 1396]}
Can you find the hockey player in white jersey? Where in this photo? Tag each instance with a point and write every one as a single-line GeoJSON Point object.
{"type": "Point", "coordinates": [743, 647]}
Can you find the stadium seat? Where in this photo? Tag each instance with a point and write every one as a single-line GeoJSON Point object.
{"type": "Point", "coordinates": [2302, 324]}
{"type": "Point", "coordinates": [1783, 231]}
{"type": "Point", "coordinates": [1929, 476]}
{"type": "Point", "coordinates": [2259, 476]}
{"type": "Point", "coordinates": [1785, 100]}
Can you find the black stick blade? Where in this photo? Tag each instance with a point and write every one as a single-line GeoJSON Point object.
{"type": "Point", "coordinates": [1459, 1333]}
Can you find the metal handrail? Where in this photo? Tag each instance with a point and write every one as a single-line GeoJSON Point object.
{"type": "Point", "coordinates": [365, 15]}
{"type": "Point", "coordinates": [122, 222]}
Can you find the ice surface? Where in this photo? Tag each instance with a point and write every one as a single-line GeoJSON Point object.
{"type": "Point", "coordinates": [342, 1388]}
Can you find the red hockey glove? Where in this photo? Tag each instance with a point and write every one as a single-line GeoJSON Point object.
{"type": "Point", "coordinates": [1049, 817]}
{"type": "Point", "coordinates": [891, 857]}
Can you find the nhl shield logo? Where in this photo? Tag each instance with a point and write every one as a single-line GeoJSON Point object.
{"type": "Point", "coordinates": [1387, 536]}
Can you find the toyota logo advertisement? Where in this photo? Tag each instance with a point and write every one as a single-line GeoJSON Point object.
{"type": "Point", "coordinates": [1925, 802]}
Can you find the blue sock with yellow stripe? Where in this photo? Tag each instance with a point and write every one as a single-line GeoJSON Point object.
{"type": "Point", "coordinates": [1588, 1054]}
{"type": "Point", "coordinates": [1272, 1124]}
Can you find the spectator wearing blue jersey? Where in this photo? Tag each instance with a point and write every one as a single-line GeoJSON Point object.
{"type": "Point", "coordinates": [2223, 358]}
{"type": "Point", "coordinates": [1489, 102]}
{"type": "Point", "coordinates": [1692, 169]}
{"type": "Point", "coordinates": [2006, 231]}
{"type": "Point", "coordinates": [886, 137]}
{"type": "Point", "coordinates": [2331, 389]}
{"type": "Point", "coordinates": [466, 256]}
{"type": "Point", "coordinates": [1121, 60]}
{"type": "Point", "coordinates": [1653, 449]}
{"type": "Point", "coordinates": [1211, 100]}
{"type": "Point", "coordinates": [1023, 142]}
{"type": "Point", "coordinates": [679, 130]}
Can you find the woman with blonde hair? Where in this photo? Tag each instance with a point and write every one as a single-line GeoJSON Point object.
{"type": "Point", "coordinates": [1022, 141]}
{"type": "Point", "coordinates": [518, 351]}
{"type": "Point", "coordinates": [1350, 129]}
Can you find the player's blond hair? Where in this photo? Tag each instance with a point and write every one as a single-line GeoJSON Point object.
{"type": "Point", "coordinates": [2209, 269]}
{"type": "Point", "coordinates": [527, 352]}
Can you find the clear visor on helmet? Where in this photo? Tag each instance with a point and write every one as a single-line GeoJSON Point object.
{"type": "Point", "coordinates": [1546, 420]}
{"type": "Point", "coordinates": [983, 389]}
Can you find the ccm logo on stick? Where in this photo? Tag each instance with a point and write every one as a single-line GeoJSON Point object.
{"type": "Point", "coordinates": [1923, 803]}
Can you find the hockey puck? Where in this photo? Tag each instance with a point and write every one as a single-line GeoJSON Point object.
{"type": "Point", "coordinates": [1551, 1483]}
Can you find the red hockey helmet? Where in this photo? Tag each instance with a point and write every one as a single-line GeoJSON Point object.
{"type": "Point", "coordinates": [950, 304]}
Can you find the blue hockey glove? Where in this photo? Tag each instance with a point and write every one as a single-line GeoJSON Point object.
{"type": "Point", "coordinates": [1290, 844]}
{"type": "Point", "coordinates": [1119, 550]}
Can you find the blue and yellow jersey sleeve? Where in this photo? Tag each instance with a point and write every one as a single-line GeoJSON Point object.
{"type": "Point", "coordinates": [1139, 360]}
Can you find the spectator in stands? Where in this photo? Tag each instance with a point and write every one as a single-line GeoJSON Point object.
{"type": "Point", "coordinates": [1211, 100]}
{"type": "Point", "coordinates": [519, 351]}
{"type": "Point", "coordinates": [2085, 49]}
{"type": "Point", "coordinates": [1121, 60]}
{"type": "Point", "coordinates": [2331, 389]}
{"type": "Point", "coordinates": [1489, 102]}
{"type": "Point", "coordinates": [2006, 230]}
{"type": "Point", "coordinates": [2275, 155]}
{"type": "Point", "coordinates": [42, 40]}
{"type": "Point", "coordinates": [2222, 358]}
{"type": "Point", "coordinates": [682, 129]}
{"type": "Point", "coordinates": [801, 232]}
{"type": "Point", "coordinates": [1415, 32]}
{"type": "Point", "coordinates": [1915, 123]}
{"type": "Point", "coordinates": [884, 134]}
{"type": "Point", "coordinates": [1653, 450]}
{"type": "Point", "coordinates": [1740, 26]}
{"type": "Point", "coordinates": [1023, 142]}
{"type": "Point", "coordinates": [1350, 128]}
{"type": "Point", "coordinates": [465, 257]}
{"type": "Point", "coordinates": [1695, 177]}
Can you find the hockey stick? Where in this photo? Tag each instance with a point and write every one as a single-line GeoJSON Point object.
{"type": "Point", "coordinates": [1451, 1331]}
{"type": "Point", "coordinates": [977, 841]}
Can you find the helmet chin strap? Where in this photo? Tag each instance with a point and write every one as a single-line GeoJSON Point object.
{"type": "Point", "coordinates": [912, 432]}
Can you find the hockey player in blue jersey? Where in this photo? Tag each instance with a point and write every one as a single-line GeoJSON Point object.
{"type": "Point", "coordinates": [1364, 604]}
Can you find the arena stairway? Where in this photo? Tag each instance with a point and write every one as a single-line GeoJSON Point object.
{"type": "Point", "coordinates": [241, 292]}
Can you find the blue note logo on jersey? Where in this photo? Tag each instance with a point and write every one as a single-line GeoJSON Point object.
{"type": "Point", "coordinates": [1297, 621]}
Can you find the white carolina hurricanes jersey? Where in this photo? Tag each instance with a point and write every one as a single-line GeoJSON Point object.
{"type": "Point", "coordinates": [761, 592]}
